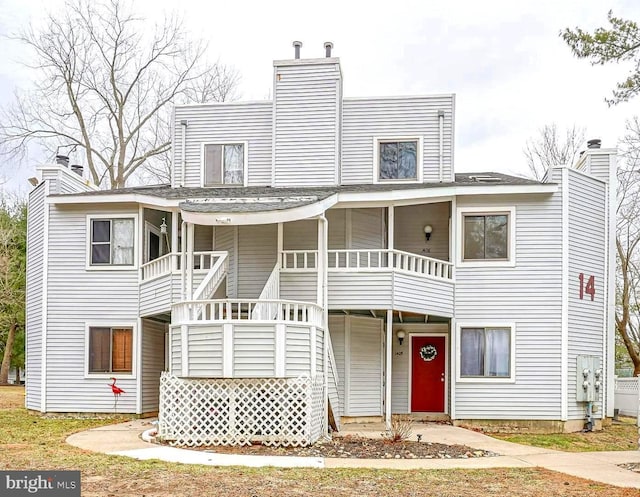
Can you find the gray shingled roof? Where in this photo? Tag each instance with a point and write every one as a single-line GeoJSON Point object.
{"type": "Point", "coordinates": [321, 192]}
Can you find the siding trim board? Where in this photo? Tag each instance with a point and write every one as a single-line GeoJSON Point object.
{"type": "Point", "coordinates": [564, 329]}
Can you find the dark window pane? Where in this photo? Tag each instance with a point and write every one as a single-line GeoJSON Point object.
{"type": "Point", "coordinates": [101, 231]}
{"type": "Point", "coordinates": [99, 350]}
{"type": "Point", "coordinates": [474, 237]}
{"type": "Point", "coordinates": [388, 160]}
{"type": "Point", "coordinates": [496, 237]}
{"type": "Point", "coordinates": [154, 246]}
{"type": "Point", "coordinates": [212, 165]}
{"type": "Point", "coordinates": [100, 253]}
{"type": "Point", "coordinates": [407, 160]}
{"type": "Point", "coordinates": [472, 352]}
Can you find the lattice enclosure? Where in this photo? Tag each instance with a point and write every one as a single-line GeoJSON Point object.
{"type": "Point", "coordinates": [274, 411]}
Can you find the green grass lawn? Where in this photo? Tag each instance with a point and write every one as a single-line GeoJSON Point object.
{"type": "Point", "coordinates": [30, 441]}
{"type": "Point", "coordinates": [618, 436]}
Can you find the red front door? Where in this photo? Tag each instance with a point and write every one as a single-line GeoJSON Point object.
{"type": "Point", "coordinates": [428, 361]}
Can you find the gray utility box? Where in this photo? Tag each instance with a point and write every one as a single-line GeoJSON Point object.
{"type": "Point", "coordinates": [588, 378]}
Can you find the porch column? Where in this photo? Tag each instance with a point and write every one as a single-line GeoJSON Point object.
{"type": "Point", "coordinates": [390, 222]}
{"type": "Point", "coordinates": [388, 365]}
{"type": "Point", "coordinates": [189, 265]}
{"type": "Point", "coordinates": [280, 243]}
{"type": "Point", "coordinates": [174, 240]}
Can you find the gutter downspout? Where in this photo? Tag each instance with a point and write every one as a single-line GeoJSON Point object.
{"type": "Point", "coordinates": [325, 317]}
{"type": "Point", "coordinates": [441, 144]}
{"type": "Point", "coordinates": [184, 123]}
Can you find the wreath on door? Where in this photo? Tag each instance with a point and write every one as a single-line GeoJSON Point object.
{"type": "Point", "coordinates": [428, 353]}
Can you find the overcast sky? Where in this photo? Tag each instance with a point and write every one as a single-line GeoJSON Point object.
{"type": "Point", "coordinates": [504, 60]}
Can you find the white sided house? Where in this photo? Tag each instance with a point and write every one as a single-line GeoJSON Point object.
{"type": "Point", "coordinates": [315, 261]}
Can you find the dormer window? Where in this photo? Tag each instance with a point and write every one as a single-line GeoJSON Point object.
{"type": "Point", "coordinates": [398, 159]}
{"type": "Point", "coordinates": [224, 164]}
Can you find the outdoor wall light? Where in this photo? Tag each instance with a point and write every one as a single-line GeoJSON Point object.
{"type": "Point", "coordinates": [401, 334]}
{"type": "Point", "coordinates": [428, 229]}
{"type": "Point", "coordinates": [163, 227]}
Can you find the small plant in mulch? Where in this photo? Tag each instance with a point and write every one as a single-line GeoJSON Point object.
{"type": "Point", "coordinates": [399, 430]}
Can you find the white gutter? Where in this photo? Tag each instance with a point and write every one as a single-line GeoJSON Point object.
{"type": "Point", "coordinates": [441, 142]}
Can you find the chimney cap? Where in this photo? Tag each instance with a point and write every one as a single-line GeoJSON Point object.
{"type": "Point", "coordinates": [297, 44]}
{"type": "Point", "coordinates": [594, 143]}
{"type": "Point", "coordinates": [327, 48]}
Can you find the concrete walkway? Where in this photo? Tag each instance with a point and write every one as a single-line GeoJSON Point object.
{"type": "Point", "coordinates": [124, 440]}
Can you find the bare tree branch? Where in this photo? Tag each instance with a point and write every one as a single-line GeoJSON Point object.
{"type": "Point", "coordinates": [550, 149]}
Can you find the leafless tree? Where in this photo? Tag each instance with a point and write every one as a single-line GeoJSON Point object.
{"type": "Point", "coordinates": [104, 83]}
{"type": "Point", "coordinates": [550, 148]}
{"type": "Point", "coordinates": [628, 244]}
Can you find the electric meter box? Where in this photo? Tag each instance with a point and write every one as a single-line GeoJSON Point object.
{"type": "Point", "coordinates": [589, 378]}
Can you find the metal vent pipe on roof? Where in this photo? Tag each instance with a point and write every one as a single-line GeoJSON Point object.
{"type": "Point", "coordinates": [296, 46]}
{"type": "Point", "coordinates": [327, 48]}
{"type": "Point", "coordinates": [62, 160]}
{"type": "Point", "coordinates": [594, 143]}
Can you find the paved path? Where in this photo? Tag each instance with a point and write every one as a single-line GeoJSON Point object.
{"type": "Point", "coordinates": [124, 440]}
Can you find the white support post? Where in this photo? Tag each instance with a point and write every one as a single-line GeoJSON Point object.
{"type": "Point", "coordinates": [227, 350]}
{"type": "Point", "coordinates": [390, 223]}
{"type": "Point", "coordinates": [183, 261]}
{"type": "Point", "coordinates": [189, 268]}
{"type": "Point", "coordinates": [320, 263]}
{"type": "Point", "coordinates": [174, 238]}
{"type": "Point", "coordinates": [387, 384]}
{"type": "Point", "coordinates": [325, 371]}
{"type": "Point", "coordinates": [281, 350]}
{"type": "Point", "coordinates": [280, 247]}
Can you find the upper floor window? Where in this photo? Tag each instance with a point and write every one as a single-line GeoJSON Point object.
{"type": "Point", "coordinates": [112, 241]}
{"type": "Point", "coordinates": [398, 159]}
{"type": "Point", "coordinates": [486, 236]}
{"type": "Point", "coordinates": [224, 164]}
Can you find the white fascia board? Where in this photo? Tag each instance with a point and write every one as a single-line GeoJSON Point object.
{"type": "Point", "coordinates": [128, 198]}
{"type": "Point", "coordinates": [412, 196]}
{"type": "Point", "coordinates": [263, 217]}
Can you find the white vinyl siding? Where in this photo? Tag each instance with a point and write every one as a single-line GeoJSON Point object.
{"type": "Point", "coordinates": [364, 119]}
{"type": "Point", "coordinates": [205, 351]}
{"type": "Point", "coordinates": [36, 219]}
{"type": "Point", "coordinates": [153, 358]}
{"type": "Point", "coordinates": [587, 238]}
{"type": "Point", "coordinates": [228, 122]}
{"type": "Point", "coordinates": [307, 100]}
{"type": "Point", "coordinates": [337, 331]}
{"type": "Point", "coordinates": [368, 228]}
{"type": "Point", "coordinates": [254, 352]}
{"type": "Point", "coordinates": [226, 241]}
{"type": "Point", "coordinates": [337, 228]}
{"type": "Point", "coordinates": [97, 297]}
{"type": "Point", "coordinates": [528, 295]}
{"type": "Point", "coordinates": [364, 397]}
{"type": "Point", "coordinates": [257, 246]}
{"type": "Point", "coordinates": [409, 222]}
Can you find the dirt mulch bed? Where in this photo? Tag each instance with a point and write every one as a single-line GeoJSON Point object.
{"type": "Point", "coordinates": [353, 447]}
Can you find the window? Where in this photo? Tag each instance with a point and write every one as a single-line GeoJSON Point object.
{"type": "Point", "coordinates": [485, 352]}
{"type": "Point", "coordinates": [224, 164]}
{"type": "Point", "coordinates": [486, 236]}
{"type": "Point", "coordinates": [398, 160]}
{"type": "Point", "coordinates": [112, 242]}
{"type": "Point", "coordinates": [110, 350]}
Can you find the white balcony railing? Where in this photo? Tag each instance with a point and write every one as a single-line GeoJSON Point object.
{"type": "Point", "coordinates": [271, 291]}
{"type": "Point", "coordinates": [202, 261]}
{"type": "Point", "coordinates": [213, 278]}
{"type": "Point", "coordinates": [299, 260]}
{"type": "Point", "coordinates": [209, 311]}
{"type": "Point", "coordinates": [384, 259]}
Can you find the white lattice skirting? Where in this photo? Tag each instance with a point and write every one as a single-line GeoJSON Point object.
{"type": "Point", "coordinates": [274, 411]}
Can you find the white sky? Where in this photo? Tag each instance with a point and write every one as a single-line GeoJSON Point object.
{"type": "Point", "coordinates": [504, 60]}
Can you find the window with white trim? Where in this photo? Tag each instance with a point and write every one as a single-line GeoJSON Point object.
{"type": "Point", "coordinates": [110, 350]}
{"type": "Point", "coordinates": [112, 241]}
{"type": "Point", "coordinates": [485, 236]}
{"type": "Point", "coordinates": [224, 164]}
{"type": "Point", "coordinates": [398, 160]}
{"type": "Point", "coordinates": [485, 352]}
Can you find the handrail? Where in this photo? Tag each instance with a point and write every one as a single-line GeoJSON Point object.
{"type": "Point", "coordinates": [206, 311]}
{"type": "Point", "coordinates": [299, 260]}
{"type": "Point", "coordinates": [380, 259]}
{"type": "Point", "coordinates": [271, 291]}
{"type": "Point", "coordinates": [171, 262]}
{"type": "Point", "coordinates": [212, 279]}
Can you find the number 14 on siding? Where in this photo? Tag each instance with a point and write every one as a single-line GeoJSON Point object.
{"type": "Point", "coordinates": [589, 288]}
